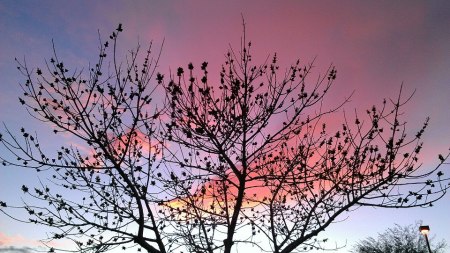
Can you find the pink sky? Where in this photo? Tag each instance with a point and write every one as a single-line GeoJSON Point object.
{"type": "Point", "coordinates": [375, 46]}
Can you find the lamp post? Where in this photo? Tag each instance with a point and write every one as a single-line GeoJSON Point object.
{"type": "Point", "coordinates": [425, 230]}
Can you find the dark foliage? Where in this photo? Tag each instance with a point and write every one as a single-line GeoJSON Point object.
{"type": "Point", "coordinates": [398, 239]}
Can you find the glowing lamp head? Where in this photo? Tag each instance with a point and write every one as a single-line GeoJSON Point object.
{"type": "Point", "coordinates": [424, 230]}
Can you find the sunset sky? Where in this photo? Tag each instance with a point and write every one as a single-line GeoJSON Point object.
{"type": "Point", "coordinates": [375, 45]}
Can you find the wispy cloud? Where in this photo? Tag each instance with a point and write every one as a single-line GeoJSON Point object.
{"type": "Point", "coordinates": [19, 243]}
{"type": "Point", "coordinates": [14, 240]}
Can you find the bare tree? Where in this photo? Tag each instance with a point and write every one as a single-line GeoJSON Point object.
{"type": "Point", "coordinates": [246, 160]}
{"type": "Point", "coordinates": [258, 163]}
{"type": "Point", "coordinates": [103, 198]}
{"type": "Point", "coordinates": [399, 239]}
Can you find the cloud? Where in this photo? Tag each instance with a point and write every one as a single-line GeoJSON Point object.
{"type": "Point", "coordinates": [19, 243]}
{"type": "Point", "coordinates": [11, 240]}
{"type": "Point", "coordinates": [12, 249]}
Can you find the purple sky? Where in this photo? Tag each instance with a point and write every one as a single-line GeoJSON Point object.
{"type": "Point", "coordinates": [375, 45]}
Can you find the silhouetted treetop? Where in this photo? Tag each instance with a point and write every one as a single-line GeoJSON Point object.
{"type": "Point", "coordinates": [184, 163]}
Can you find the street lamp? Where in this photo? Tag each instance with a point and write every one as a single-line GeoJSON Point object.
{"type": "Point", "coordinates": [425, 230]}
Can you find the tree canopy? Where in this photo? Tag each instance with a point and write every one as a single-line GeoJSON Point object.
{"type": "Point", "coordinates": [398, 239]}
{"type": "Point", "coordinates": [252, 159]}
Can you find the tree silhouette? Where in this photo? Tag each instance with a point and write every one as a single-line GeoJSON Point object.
{"type": "Point", "coordinates": [399, 239]}
{"type": "Point", "coordinates": [109, 110]}
{"type": "Point", "coordinates": [260, 159]}
{"type": "Point", "coordinates": [216, 166]}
